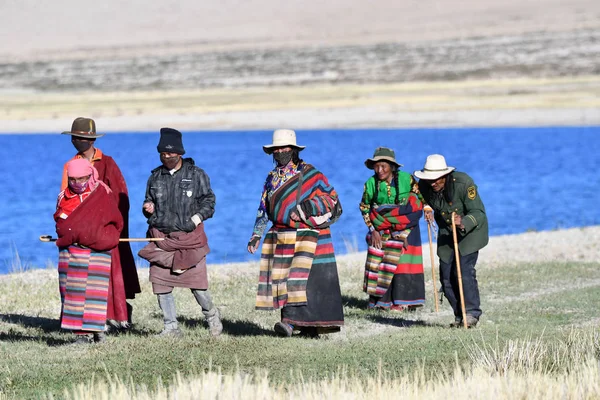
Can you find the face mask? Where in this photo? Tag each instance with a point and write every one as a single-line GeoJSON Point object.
{"type": "Point", "coordinates": [283, 158]}
{"type": "Point", "coordinates": [170, 162]}
{"type": "Point", "coordinates": [77, 187]}
{"type": "Point", "coordinates": [81, 145]}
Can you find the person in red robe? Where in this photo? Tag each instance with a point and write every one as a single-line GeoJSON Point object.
{"type": "Point", "coordinates": [124, 283]}
{"type": "Point", "coordinates": [88, 226]}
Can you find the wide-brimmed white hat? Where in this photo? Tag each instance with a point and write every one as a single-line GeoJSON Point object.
{"type": "Point", "coordinates": [435, 167]}
{"type": "Point", "coordinates": [282, 138]}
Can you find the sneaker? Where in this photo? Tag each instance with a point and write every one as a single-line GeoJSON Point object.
{"type": "Point", "coordinates": [173, 333]}
{"type": "Point", "coordinates": [99, 337]}
{"type": "Point", "coordinates": [283, 329]}
{"type": "Point", "coordinates": [457, 323]}
{"type": "Point", "coordinates": [215, 326]}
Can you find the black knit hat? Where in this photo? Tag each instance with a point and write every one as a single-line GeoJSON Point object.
{"type": "Point", "coordinates": [170, 141]}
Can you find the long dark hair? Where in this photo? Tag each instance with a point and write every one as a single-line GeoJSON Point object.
{"type": "Point", "coordinates": [394, 181]}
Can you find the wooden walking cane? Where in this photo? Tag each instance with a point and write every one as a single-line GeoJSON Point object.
{"type": "Point", "coordinates": [459, 273]}
{"type": "Point", "coordinates": [48, 238]}
{"type": "Point", "coordinates": [435, 293]}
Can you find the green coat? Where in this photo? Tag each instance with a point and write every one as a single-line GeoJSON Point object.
{"type": "Point", "coordinates": [467, 203]}
{"type": "Point", "coordinates": [386, 194]}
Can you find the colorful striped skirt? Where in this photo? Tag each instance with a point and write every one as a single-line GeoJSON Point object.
{"type": "Point", "coordinates": [394, 275]}
{"type": "Point", "coordinates": [83, 277]}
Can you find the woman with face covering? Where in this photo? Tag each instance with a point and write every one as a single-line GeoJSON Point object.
{"type": "Point", "coordinates": [298, 272]}
{"type": "Point", "coordinates": [88, 225]}
{"type": "Point", "coordinates": [124, 283]}
{"type": "Point", "coordinates": [391, 207]}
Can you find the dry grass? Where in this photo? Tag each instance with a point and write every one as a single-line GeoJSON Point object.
{"type": "Point", "coordinates": [540, 343]}
{"type": "Point", "coordinates": [517, 371]}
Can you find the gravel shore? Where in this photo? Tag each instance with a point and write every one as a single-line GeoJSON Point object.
{"type": "Point", "coordinates": [565, 245]}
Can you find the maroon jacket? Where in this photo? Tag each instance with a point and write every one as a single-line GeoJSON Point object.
{"type": "Point", "coordinates": [123, 270]}
{"type": "Point", "coordinates": [96, 223]}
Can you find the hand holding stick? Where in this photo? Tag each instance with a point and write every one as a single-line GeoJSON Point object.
{"type": "Point", "coordinates": [459, 273]}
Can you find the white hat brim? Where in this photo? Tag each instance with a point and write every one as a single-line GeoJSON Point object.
{"type": "Point", "coordinates": [433, 175]}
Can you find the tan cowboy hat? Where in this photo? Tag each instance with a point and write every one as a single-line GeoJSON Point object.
{"type": "Point", "coordinates": [282, 138]}
{"type": "Point", "coordinates": [435, 167]}
{"type": "Point", "coordinates": [84, 128]}
{"type": "Point", "coordinates": [382, 154]}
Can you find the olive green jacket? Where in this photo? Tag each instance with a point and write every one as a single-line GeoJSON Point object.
{"type": "Point", "coordinates": [466, 202]}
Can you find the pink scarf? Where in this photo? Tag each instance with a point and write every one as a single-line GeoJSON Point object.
{"type": "Point", "coordinates": [80, 167]}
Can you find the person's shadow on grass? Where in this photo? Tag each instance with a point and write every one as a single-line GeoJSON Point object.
{"type": "Point", "coordinates": [47, 325]}
{"type": "Point", "coordinates": [354, 302]}
{"type": "Point", "coordinates": [230, 327]}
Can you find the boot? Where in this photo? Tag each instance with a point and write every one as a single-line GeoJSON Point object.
{"type": "Point", "coordinates": [211, 313]}
{"type": "Point", "coordinates": [215, 326]}
{"type": "Point", "coordinates": [166, 302]}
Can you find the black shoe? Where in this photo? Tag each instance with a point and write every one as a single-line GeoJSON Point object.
{"type": "Point", "coordinates": [283, 329]}
{"type": "Point", "coordinates": [457, 323]}
{"type": "Point", "coordinates": [99, 337]}
{"type": "Point", "coordinates": [81, 340]}
{"type": "Point", "coordinates": [309, 332]}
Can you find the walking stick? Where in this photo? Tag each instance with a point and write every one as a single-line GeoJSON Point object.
{"type": "Point", "coordinates": [459, 273]}
{"type": "Point", "coordinates": [48, 238]}
{"type": "Point", "coordinates": [435, 293]}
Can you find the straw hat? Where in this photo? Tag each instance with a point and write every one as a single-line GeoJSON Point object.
{"type": "Point", "coordinates": [382, 154]}
{"type": "Point", "coordinates": [84, 128]}
{"type": "Point", "coordinates": [435, 167]}
{"type": "Point", "coordinates": [282, 138]}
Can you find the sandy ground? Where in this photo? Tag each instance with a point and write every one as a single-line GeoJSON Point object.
{"type": "Point", "coordinates": [263, 64]}
{"type": "Point", "coordinates": [39, 30]}
{"type": "Point", "coordinates": [517, 102]}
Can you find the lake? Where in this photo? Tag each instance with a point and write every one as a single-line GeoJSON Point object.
{"type": "Point", "coordinates": [529, 179]}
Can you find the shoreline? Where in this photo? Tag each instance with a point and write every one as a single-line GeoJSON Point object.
{"type": "Point", "coordinates": [567, 101]}
{"type": "Point", "coordinates": [576, 245]}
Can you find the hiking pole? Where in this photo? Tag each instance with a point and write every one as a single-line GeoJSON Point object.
{"type": "Point", "coordinates": [459, 273]}
{"type": "Point", "coordinates": [435, 293]}
{"type": "Point", "coordinates": [48, 238]}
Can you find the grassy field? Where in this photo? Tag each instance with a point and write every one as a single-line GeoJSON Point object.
{"type": "Point", "coordinates": [538, 338]}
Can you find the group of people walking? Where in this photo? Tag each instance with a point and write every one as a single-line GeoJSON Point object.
{"type": "Point", "coordinates": [298, 272]}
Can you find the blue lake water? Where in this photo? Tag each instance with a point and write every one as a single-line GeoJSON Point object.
{"type": "Point", "coordinates": [529, 179]}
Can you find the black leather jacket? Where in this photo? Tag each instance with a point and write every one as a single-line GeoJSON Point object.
{"type": "Point", "coordinates": [178, 197]}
